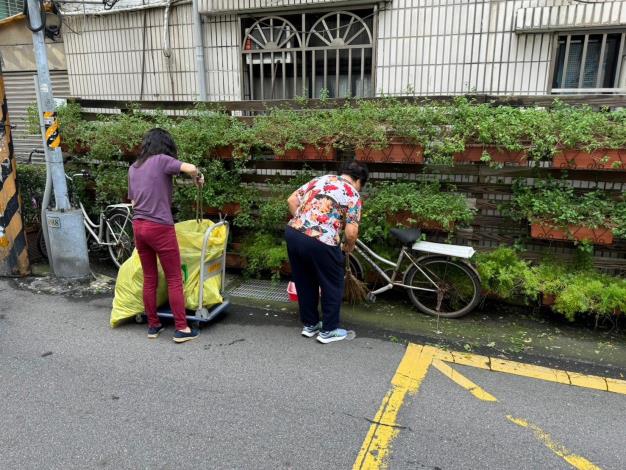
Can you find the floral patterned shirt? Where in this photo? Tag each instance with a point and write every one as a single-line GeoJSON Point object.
{"type": "Point", "coordinates": [327, 204]}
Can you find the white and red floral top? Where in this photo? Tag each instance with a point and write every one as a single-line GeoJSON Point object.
{"type": "Point", "coordinates": [327, 204]}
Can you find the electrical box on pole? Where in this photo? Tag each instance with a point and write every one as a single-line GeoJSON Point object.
{"type": "Point", "coordinates": [13, 249]}
{"type": "Point", "coordinates": [65, 225]}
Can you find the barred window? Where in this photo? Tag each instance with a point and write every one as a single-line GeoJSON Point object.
{"type": "Point", "coordinates": [10, 8]}
{"type": "Point", "coordinates": [308, 54]}
{"type": "Point", "coordinates": [590, 62]}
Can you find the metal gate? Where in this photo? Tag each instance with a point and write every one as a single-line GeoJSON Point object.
{"type": "Point", "coordinates": [20, 93]}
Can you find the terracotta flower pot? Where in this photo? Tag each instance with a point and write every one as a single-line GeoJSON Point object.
{"type": "Point", "coordinates": [222, 153]}
{"type": "Point", "coordinates": [548, 299]}
{"type": "Point", "coordinates": [229, 209]}
{"type": "Point", "coordinates": [545, 231]}
{"type": "Point", "coordinates": [79, 149]}
{"type": "Point", "coordinates": [398, 151]}
{"type": "Point", "coordinates": [285, 268]}
{"type": "Point", "coordinates": [130, 152]}
{"type": "Point", "coordinates": [601, 159]}
{"type": "Point", "coordinates": [235, 261]}
{"type": "Point", "coordinates": [473, 154]}
{"type": "Point", "coordinates": [310, 152]}
{"type": "Point", "coordinates": [407, 219]}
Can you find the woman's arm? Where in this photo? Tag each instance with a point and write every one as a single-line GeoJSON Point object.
{"type": "Point", "coordinates": [189, 169]}
{"type": "Point", "coordinates": [294, 203]}
{"type": "Point", "coordinates": [192, 170]}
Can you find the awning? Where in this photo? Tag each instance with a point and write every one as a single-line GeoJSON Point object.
{"type": "Point", "coordinates": [572, 16]}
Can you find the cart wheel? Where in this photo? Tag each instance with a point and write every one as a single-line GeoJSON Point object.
{"type": "Point", "coordinates": [371, 298]}
{"type": "Point", "coordinates": [140, 319]}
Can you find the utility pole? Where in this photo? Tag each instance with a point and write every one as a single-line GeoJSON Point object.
{"type": "Point", "coordinates": [65, 226]}
{"type": "Point", "coordinates": [13, 249]}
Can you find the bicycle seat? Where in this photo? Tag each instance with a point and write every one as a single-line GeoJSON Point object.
{"type": "Point", "coordinates": [407, 236]}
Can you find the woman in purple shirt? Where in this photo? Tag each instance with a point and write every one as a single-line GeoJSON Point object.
{"type": "Point", "coordinates": [150, 190]}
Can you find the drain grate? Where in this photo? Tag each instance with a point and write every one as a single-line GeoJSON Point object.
{"type": "Point", "coordinates": [261, 290]}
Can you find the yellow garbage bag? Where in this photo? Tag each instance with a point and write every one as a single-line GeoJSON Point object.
{"type": "Point", "coordinates": [190, 235]}
{"type": "Point", "coordinates": [128, 301]}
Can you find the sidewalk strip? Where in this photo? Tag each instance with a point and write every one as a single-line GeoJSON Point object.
{"type": "Point", "coordinates": [384, 428]}
{"type": "Point", "coordinates": [463, 381]}
{"type": "Point", "coordinates": [576, 461]}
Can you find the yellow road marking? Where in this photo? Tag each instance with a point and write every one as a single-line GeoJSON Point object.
{"type": "Point", "coordinates": [384, 428]}
{"type": "Point", "coordinates": [529, 370]}
{"type": "Point", "coordinates": [463, 381]}
{"type": "Point", "coordinates": [574, 460]}
{"type": "Point", "coordinates": [414, 367]}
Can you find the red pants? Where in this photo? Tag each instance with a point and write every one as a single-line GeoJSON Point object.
{"type": "Point", "coordinates": [152, 240]}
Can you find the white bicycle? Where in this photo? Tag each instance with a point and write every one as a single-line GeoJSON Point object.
{"type": "Point", "coordinates": [114, 228]}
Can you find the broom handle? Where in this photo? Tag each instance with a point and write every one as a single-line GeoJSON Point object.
{"type": "Point", "coordinates": [199, 204]}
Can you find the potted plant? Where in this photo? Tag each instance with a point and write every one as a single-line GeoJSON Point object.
{"type": "Point", "coordinates": [411, 204]}
{"type": "Point", "coordinates": [383, 131]}
{"type": "Point", "coordinates": [222, 194]}
{"type": "Point", "coordinates": [295, 136]}
{"type": "Point", "coordinates": [588, 139]}
{"type": "Point", "coordinates": [555, 212]}
{"type": "Point", "coordinates": [265, 252]}
{"type": "Point", "coordinates": [495, 135]}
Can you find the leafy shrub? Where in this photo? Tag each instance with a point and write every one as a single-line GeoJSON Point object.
{"type": "Point", "coordinates": [425, 201]}
{"type": "Point", "coordinates": [555, 202]}
{"type": "Point", "coordinates": [31, 182]}
{"type": "Point", "coordinates": [578, 292]}
{"type": "Point", "coordinates": [505, 274]}
{"type": "Point", "coordinates": [264, 252]}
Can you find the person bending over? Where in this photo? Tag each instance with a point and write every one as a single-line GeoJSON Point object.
{"type": "Point", "coordinates": [324, 211]}
{"type": "Point", "coordinates": [150, 190]}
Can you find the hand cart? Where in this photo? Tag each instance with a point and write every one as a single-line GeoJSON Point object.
{"type": "Point", "coordinates": [208, 269]}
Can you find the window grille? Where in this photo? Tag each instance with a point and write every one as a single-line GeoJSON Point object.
{"type": "Point", "coordinates": [309, 55]}
{"type": "Point", "coordinates": [593, 62]}
{"type": "Point", "coordinates": [10, 8]}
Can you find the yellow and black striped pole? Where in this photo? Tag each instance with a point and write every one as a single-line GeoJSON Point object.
{"type": "Point", "coordinates": [13, 249]}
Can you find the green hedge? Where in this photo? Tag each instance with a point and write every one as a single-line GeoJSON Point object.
{"type": "Point", "coordinates": [578, 290]}
{"type": "Point", "coordinates": [442, 129]}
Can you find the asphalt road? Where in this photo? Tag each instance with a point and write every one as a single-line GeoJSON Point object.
{"type": "Point", "coordinates": [251, 393]}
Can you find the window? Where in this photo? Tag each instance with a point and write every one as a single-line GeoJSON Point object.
{"type": "Point", "coordinates": [304, 54]}
{"type": "Point", "coordinates": [10, 8]}
{"type": "Point", "coordinates": [590, 62]}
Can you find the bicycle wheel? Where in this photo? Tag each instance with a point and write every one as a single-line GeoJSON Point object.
{"type": "Point", "coordinates": [458, 286]}
{"type": "Point", "coordinates": [356, 267]}
{"type": "Point", "coordinates": [119, 235]}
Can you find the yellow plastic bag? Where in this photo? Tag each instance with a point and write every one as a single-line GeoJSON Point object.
{"type": "Point", "coordinates": [190, 235]}
{"type": "Point", "coordinates": [128, 301]}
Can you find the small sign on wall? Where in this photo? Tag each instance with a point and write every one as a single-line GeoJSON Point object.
{"type": "Point", "coordinates": [54, 222]}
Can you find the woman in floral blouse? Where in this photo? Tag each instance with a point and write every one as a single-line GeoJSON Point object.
{"type": "Point", "coordinates": [324, 211]}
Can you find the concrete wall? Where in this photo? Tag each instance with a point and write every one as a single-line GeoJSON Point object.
{"type": "Point", "coordinates": [16, 47]}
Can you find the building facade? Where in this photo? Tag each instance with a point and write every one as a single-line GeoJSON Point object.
{"type": "Point", "coordinates": [275, 49]}
{"type": "Point", "coordinates": [18, 70]}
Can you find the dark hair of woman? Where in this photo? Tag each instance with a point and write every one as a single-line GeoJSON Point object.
{"type": "Point", "coordinates": [156, 141]}
{"type": "Point", "coordinates": [355, 170]}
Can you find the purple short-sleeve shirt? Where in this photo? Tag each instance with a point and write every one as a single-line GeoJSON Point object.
{"type": "Point", "coordinates": [150, 187]}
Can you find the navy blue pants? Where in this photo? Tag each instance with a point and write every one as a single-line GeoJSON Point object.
{"type": "Point", "coordinates": [316, 265]}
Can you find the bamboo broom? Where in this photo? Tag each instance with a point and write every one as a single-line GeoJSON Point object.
{"type": "Point", "coordinates": [355, 290]}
